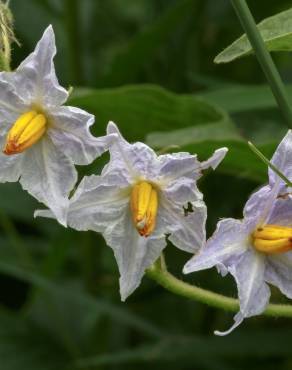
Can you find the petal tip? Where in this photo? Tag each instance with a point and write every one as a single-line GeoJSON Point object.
{"type": "Point", "coordinates": [112, 128]}
{"type": "Point", "coordinates": [186, 269]}
{"type": "Point", "coordinates": [49, 32]}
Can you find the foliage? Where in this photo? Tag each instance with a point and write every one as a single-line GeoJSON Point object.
{"type": "Point", "coordinates": [276, 32]}
{"type": "Point", "coordinates": [147, 65]}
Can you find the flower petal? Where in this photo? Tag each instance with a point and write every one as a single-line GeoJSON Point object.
{"type": "Point", "coordinates": [70, 133]}
{"type": "Point", "coordinates": [279, 272]}
{"type": "Point", "coordinates": [253, 292]}
{"type": "Point", "coordinates": [215, 159]}
{"type": "Point", "coordinates": [11, 103]}
{"type": "Point", "coordinates": [177, 165]}
{"type": "Point", "coordinates": [134, 253]}
{"type": "Point", "coordinates": [259, 207]}
{"type": "Point", "coordinates": [281, 213]}
{"type": "Point", "coordinates": [35, 78]}
{"type": "Point", "coordinates": [137, 160]}
{"type": "Point", "coordinates": [97, 202]}
{"type": "Point", "coordinates": [282, 159]}
{"type": "Point", "coordinates": [187, 232]}
{"type": "Point", "coordinates": [48, 176]}
{"type": "Point", "coordinates": [225, 246]}
{"type": "Point", "coordinates": [10, 166]}
{"type": "Point", "coordinates": [182, 190]}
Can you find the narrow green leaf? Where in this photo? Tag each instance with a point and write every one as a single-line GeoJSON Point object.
{"type": "Point", "coordinates": [276, 32]}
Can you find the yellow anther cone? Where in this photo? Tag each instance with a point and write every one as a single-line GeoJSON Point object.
{"type": "Point", "coordinates": [273, 239]}
{"type": "Point", "coordinates": [144, 206]}
{"type": "Point", "coordinates": [25, 132]}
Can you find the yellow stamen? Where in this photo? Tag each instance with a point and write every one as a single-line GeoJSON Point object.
{"type": "Point", "coordinates": [144, 206]}
{"type": "Point", "coordinates": [25, 132]}
{"type": "Point", "coordinates": [273, 239]}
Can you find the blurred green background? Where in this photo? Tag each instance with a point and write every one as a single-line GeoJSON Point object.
{"type": "Point", "coordinates": [148, 65]}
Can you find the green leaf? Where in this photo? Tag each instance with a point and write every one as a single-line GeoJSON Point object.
{"type": "Point", "coordinates": [276, 32]}
{"type": "Point", "coordinates": [141, 109]}
{"type": "Point", "coordinates": [242, 98]}
{"type": "Point", "coordinates": [186, 121]}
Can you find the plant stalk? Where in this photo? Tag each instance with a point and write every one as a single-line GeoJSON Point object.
{"type": "Point", "coordinates": [264, 58]}
{"type": "Point", "coordinates": [159, 273]}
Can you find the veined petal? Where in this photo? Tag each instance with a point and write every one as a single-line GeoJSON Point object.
{"type": "Point", "coordinates": [187, 231]}
{"type": "Point", "coordinates": [97, 202]}
{"type": "Point", "coordinates": [137, 160]}
{"type": "Point", "coordinates": [10, 166]}
{"type": "Point", "coordinates": [35, 78]}
{"type": "Point", "coordinates": [70, 132]}
{"type": "Point", "coordinates": [177, 165]}
{"type": "Point", "coordinates": [48, 176]}
{"type": "Point", "coordinates": [282, 159]}
{"type": "Point", "coordinates": [279, 272]}
{"type": "Point", "coordinates": [281, 213]}
{"type": "Point", "coordinates": [134, 253]}
{"type": "Point", "coordinates": [11, 103]}
{"type": "Point", "coordinates": [215, 159]}
{"type": "Point", "coordinates": [182, 190]}
{"type": "Point", "coordinates": [259, 207]}
{"type": "Point", "coordinates": [253, 292]}
{"type": "Point", "coordinates": [229, 241]}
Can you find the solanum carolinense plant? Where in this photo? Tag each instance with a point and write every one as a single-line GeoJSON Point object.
{"type": "Point", "coordinates": [142, 197]}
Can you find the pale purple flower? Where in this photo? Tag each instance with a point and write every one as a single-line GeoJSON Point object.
{"type": "Point", "coordinates": [103, 204]}
{"type": "Point", "coordinates": [57, 140]}
{"type": "Point", "coordinates": [232, 247]}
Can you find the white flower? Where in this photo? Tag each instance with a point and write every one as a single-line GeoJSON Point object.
{"type": "Point", "coordinates": [139, 199]}
{"type": "Point", "coordinates": [256, 250]}
{"type": "Point", "coordinates": [41, 139]}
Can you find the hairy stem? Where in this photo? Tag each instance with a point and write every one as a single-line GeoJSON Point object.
{"type": "Point", "coordinates": [159, 273]}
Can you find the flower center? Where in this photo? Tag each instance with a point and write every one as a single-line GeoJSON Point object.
{"type": "Point", "coordinates": [25, 132]}
{"type": "Point", "coordinates": [144, 205]}
{"type": "Point", "coordinates": [272, 239]}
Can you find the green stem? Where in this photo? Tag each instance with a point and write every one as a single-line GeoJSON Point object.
{"type": "Point", "coordinates": [264, 58]}
{"type": "Point", "coordinates": [269, 164]}
{"type": "Point", "coordinates": [160, 274]}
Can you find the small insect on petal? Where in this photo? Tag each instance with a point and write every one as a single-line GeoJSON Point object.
{"type": "Point", "coordinates": [144, 206]}
{"type": "Point", "coordinates": [25, 132]}
{"type": "Point", "coordinates": [273, 239]}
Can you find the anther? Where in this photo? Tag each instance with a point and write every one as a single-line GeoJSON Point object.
{"type": "Point", "coordinates": [26, 131]}
{"type": "Point", "coordinates": [273, 239]}
{"type": "Point", "coordinates": [144, 206]}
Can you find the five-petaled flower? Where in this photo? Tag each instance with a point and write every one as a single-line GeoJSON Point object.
{"type": "Point", "coordinates": [256, 250]}
{"type": "Point", "coordinates": [41, 139]}
{"type": "Point", "coordinates": [139, 199]}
